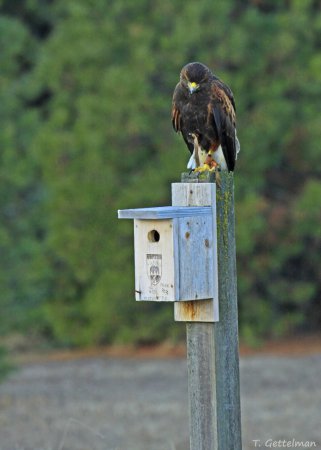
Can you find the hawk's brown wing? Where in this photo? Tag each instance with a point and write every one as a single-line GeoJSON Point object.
{"type": "Point", "coordinates": [226, 89]}
{"type": "Point", "coordinates": [176, 116]}
{"type": "Point", "coordinates": [178, 97]}
{"type": "Point", "coordinates": [222, 107]}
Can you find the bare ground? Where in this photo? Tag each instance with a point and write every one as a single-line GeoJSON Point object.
{"type": "Point", "coordinates": [140, 403]}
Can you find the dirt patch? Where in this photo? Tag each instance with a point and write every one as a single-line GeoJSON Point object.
{"type": "Point", "coordinates": [141, 403]}
{"type": "Point", "coordinates": [295, 346]}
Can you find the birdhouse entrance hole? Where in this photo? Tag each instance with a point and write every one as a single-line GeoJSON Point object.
{"type": "Point", "coordinates": [153, 236]}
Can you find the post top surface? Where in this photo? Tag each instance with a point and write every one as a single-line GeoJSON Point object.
{"type": "Point", "coordinates": [164, 212]}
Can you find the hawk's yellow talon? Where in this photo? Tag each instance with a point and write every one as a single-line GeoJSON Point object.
{"type": "Point", "coordinates": [202, 168]}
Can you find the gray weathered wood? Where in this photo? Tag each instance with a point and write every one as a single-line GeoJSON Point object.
{"type": "Point", "coordinates": [167, 287]}
{"type": "Point", "coordinates": [226, 330]}
{"type": "Point", "coordinates": [196, 254]}
{"type": "Point", "coordinates": [193, 195]}
{"type": "Point", "coordinates": [163, 212]}
{"type": "Point", "coordinates": [202, 386]}
{"type": "Point", "coordinates": [212, 348]}
{"type": "Point", "coordinates": [199, 177]}
{"type": "Point", "coordinates": [202, 195]}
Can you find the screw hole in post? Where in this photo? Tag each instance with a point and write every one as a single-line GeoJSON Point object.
{"type": "Point", "coordinates": [153, 236]}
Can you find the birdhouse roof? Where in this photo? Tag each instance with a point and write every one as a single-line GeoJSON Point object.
{"type": "Point", "coordinates": [164, 212]}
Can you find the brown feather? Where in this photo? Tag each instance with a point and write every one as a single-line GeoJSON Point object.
{"type": "Point", "coordinates": [221, 96]}
{"type": "Point", "coordinates": [176, 119]}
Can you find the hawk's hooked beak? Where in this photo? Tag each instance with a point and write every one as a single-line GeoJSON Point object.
{"type": "Point", "coordinates": [192, 87]}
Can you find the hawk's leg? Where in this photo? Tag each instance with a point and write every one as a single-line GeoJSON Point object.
{"type": "Point", "coordinates": [194, 160]}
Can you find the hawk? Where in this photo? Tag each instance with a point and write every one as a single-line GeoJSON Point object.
{"type": "Point", "coordinates": [203, 110]}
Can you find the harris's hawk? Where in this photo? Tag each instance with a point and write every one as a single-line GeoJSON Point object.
{"type": "Point", "coordinates": [203, 110]}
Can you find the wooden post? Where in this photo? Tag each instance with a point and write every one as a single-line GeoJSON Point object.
{"type": "Point", "coordinates": [212, 348]}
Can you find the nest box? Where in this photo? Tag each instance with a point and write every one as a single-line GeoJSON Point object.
{"type": "Point", "coordinates": [175, 252]}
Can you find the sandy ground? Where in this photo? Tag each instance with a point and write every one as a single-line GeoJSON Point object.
{"type": "Point", "coordinates": [140, 403]}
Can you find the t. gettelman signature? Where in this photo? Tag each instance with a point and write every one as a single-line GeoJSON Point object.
{"type": "Point", "coordinates": [283, 443]}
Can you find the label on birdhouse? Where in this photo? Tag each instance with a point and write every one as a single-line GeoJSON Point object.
{"type": "Point", "coordinates": [154, 260]}
{"type": "Point", "coordinates": [154, 268]}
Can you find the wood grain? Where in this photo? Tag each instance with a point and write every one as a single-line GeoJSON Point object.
{"type": "Point", "coordinates": [212, 348]}
{"type": "Point", "coordinates": [163, 212]}
{"type": "Point", "coordinates": [191, 195]}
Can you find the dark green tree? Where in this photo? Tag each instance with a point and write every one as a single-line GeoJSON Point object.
{"type": "Point", "coordinates": [22, 270]}
{"type": "Point", "coordinates": [86, 113]}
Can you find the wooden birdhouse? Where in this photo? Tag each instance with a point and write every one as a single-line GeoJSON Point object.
{"type": "Point", "coordinates": [175, 252]}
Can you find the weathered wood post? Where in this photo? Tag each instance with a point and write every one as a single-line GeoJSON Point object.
{"type": "Point", "coordinates": [185, 253]}
{"type": "Point", "coordinates": [212, 347]}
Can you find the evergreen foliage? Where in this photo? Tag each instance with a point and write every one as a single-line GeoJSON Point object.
{"type": "Point", "coordinates": [85, 114]}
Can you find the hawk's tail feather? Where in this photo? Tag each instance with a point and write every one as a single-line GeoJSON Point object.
{"type": "Point", "coordinates": [237, 145]}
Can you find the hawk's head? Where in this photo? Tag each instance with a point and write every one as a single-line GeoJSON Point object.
{"type": "Point", "coordinates": [194, 75]}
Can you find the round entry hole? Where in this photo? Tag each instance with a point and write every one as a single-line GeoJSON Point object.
{"type": "Point", "coordinates": [153, 236]}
